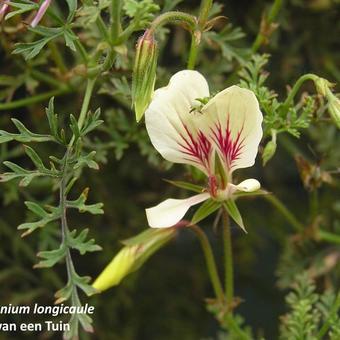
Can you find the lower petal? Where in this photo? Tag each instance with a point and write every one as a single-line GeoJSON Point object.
{"type": "Point", "coordinates": [171, 211]}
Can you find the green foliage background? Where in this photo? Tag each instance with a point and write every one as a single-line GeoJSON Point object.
{"type": "Point", "coordinates": [165, 299]}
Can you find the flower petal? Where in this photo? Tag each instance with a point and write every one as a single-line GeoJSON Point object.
{"type": "Point", "coordinates": [171, 211]}
{"type": "Point", "coordinates": [171, 123]}
{"type": "Point", "coordinates": [249, 185]}
{"type": "Point", "coordinates": [235, 126]}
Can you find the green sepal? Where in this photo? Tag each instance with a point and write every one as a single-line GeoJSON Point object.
{"type": "Point", "coordinates": [234, 213]}
{"type": "Point", "coordinates": [186, 185]}
{"type": "Point", "coordinates": [206, 209]}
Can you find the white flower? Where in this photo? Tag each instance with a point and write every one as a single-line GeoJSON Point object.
{"type": "Point", "coordinates": [228, 126]}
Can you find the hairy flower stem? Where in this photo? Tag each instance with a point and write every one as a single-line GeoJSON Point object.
{"type": "Point", "coordinates": [193, 52]}
{"type": "Point", "coordinates": [210, 261]}
{"type": "Point", "coordinates": [290, 98]}
{"type": "Point", "coordinates": [298, 227]}
{"type": "Point", "coordinates": [115, 13]}
{"type": "Point", "coordinates": [228, 262]}
{"type": "Point", "coordinates": [173, 17]}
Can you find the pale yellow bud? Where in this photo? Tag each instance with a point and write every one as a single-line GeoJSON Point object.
{"type": "Point", "coordinates": [116, 270]}
{"type": "Point", "coordinates": [136, 251]}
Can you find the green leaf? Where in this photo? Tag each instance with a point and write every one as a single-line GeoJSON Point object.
{"type": "Point", "coordinates": [92, 121]}
{"type": "Point", "coordinates": [94, 209]}
{"type": "Point", "coordinates": [51, 257]}
{"type": "Point", "coordinates": [70, 38]}
{"type": "Point", "coordinates": [234, 213]}
{"type": "Point", "coordinates": [186, 185]}
{"type": "Point", "coordinates": [46, 218]}
{"type": "Point", "coordinates": [82, 283]}
{"type": "Point", "coordinates": [87, 160]}
{"type": "Point", "coordinates": [18, 172]}
{"type": "Point", "coordinates": [79, 242]}
{"type": "Point", "coordinates": [206, 209]}
{"type": "Point", "coordinates": [72, 7]}
{"type": "Point", "coordinates": [21, 8]}
{"type": "Point", "coordinates": [24, 135]}
{"type": "Point", "coordinates": [31, 49]}
{"type": "Point", "coordinates": [65, 293]}
{"type": "Point", "coordinates": [35, 159]}
{"type": "Point", "coordinates": [74, 127]}
{"type": "Point", "coordinates": [52, 119]}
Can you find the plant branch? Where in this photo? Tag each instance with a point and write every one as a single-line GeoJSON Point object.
{"type": "Point", "coordinates": [115, 12]}
{"type": "Point", "coordinates": [204, 12]}
{"type": "Point", "coordinates": [297, 226]}
{"type": "Point", "coordinates": [265, 24]}
{"type": "Point", "coordinates": [210, 261]}
{"type": "Point", "coordinates": [296, 88]}
{"type": "Point", "coordinates": [228, 262]}
{"type": "Point", "coordinates": [35, 99]}
{"type": "Point", "coordinates": [193, 51]}
{"type": "Point", "coordinates": [173, 17]}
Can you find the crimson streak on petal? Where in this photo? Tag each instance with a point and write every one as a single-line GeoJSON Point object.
{"type": "Point", "coordinates": [198, 147]}
{"type": "Point", "coordinates": [229, 148]}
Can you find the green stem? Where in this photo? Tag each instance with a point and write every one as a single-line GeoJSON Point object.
{"type": "Point", "coordinates": [328, 236]}
{"type": "Point", "coordinates": [86, 101]}
{"type": "Point", "coordinates": [57, 58]}
{"type": "Point", "coordinates": [261, 36]}
{"type": "Point", "coordinates": [285, 212]}
{"type": "Point", "coordinates": [35, 99]}
{"type": "Point", "coordinates": [333, 312]}
{"type": "Point", "coordinates": [103, 29]}
{"type": "Point", "coordinates": [210, 261]}
{"type": "Point", "coordinates": [193, 52]}
{"type": "Point", "coordinates": [82, 51]}
{"type": "Point", "coordinates": [296, 88]}
{"type": "Point", "coordinates": [105, 66]}
{"type": "Point", "coordinates": [228, 262]}
{"type": "Point", "coordinates": [204, 12]}
{"type": "Point", "coordinates": [46, 78]}
{"type": "Point", "coordinates": [173, 17]}
{"type": "Point", "coordinates": [125, 35]}
{"type": "Point", "coordinates": [115, 12]}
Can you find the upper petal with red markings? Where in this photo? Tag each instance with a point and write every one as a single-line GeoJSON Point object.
{"type": "Point", "coordinates": [174, 127]}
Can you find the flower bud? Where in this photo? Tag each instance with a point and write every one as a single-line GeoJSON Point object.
{"type": "Point", "coordinates": [136, 251]}
{"type": "Point", "coordinates": [322, 85]}
{"type": "Point", "coordinates": [269, 149]}
{"type": "Point", "coordinates": [144, 73]}
{"type": "Point", "coordinates": [3, 10]}
{"type": "Point", "coordinates": [334, 109]}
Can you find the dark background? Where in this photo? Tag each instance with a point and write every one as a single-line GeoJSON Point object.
{"type": "Point", "coordinates": [164, 300]}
